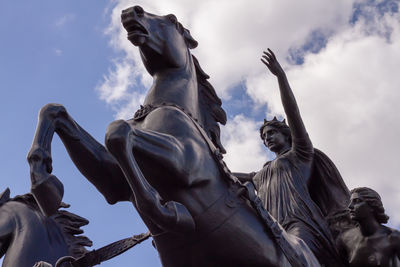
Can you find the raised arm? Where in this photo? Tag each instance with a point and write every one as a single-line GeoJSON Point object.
{"type": "Point", "coordinates": [288, 100]}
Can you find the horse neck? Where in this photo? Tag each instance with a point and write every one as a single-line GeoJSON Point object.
{"type": "Point", "coordinates": [28, 219]}
{"type": "Point", "coordinates": [176, 86]}
{"type": "Point", "coordinates": [31, 228]}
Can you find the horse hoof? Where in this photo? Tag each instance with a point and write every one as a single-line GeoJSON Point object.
{"type": "Point", "coordinates": [40, 157]}
{"type": "Point", "coordinates": [52, 110]}
{"type": "Point", "coordinates": [48, 194]}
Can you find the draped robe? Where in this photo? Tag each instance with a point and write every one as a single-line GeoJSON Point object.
{"type": "Point", "coordinates": [282, 186]}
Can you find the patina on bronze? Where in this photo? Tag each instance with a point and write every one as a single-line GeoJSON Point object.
{"type": "Point", "coordinates": [369, 243]}
{"type": "Point", "coordinates": [162, 162]}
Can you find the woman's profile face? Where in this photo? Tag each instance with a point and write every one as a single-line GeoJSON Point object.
{"type": "Point", "coordinates": [359, 208]}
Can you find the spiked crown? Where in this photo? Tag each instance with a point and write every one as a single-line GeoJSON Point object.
{"type": "Point", "coordinates": [281, 125]}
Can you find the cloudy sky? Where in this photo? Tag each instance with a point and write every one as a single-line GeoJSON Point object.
{"type": "Point", "coordinates": [342, 59]}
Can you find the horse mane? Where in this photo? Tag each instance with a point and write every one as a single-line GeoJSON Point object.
{"type": "Point", "coordinates": [210, 104]}
{"type": "Point", "coordinates": [210, 107]}
{"type": "Point", "coordinates": [68, 222]}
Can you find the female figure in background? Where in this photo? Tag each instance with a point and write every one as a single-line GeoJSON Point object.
{"type": "Point", "coordinates": [370, 243]}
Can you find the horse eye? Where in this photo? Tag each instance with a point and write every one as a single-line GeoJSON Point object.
{"type": "Point", "coordinates": [139, 10]}
{"type": "Point", "coordinates": [172, 18]}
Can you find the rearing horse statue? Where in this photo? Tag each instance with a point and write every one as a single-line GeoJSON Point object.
{"type": "Point", "coordinates": [167, 159]}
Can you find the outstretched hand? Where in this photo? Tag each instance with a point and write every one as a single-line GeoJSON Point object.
{"type": "Point", "coordinates": [269, 59]}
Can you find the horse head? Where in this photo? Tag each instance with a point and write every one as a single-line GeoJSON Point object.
{"type": "Point", "coordinates": [164, 44]}
{"type": "Point", "coordinates": [163, 41]}
{"type": "Point", "coordinates": [23, 226]}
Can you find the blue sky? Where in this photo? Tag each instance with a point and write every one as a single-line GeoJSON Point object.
{"type": "Point", "coordinates": [341, 58]}
{"type": "Point", "coordinates": [56, 51]}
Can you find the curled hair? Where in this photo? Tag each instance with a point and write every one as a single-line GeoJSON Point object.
{"type": "Point", "coordinates": [373, 200]}
{"type": "Point", "coordinates": [281, 126]}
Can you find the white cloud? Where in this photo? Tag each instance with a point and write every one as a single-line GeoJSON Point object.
{"type": "Point", "coordinates": [347, 92]}
{"type": "Point", "coordinates": [116, 84]}
{"type": "Point", "coordinates": [64, 20]}
{"type": "Point", "coordinates": [121, 90]}
{"type": "Point", "coordinates": [348, 95]}
{"type": "Point", "coordinates": [58, 52]}
{"type": "Point", "coordinates": [224, 27]}
{"type": "Point", "coordinates": [241, 139]}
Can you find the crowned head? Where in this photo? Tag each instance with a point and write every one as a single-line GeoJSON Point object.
{"type": "Point", "coordinates": [276, 134]}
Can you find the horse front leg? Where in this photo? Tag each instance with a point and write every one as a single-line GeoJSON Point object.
{"type": "Point", "coordinates": [169, 216]}
{"type": "Point", "coordinates": [90, 157]}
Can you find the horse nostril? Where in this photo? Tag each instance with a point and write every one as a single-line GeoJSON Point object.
{"type": "Point", "coordinates": [126, 13]}
{"type": "Point", "coordinates": [139, 10]}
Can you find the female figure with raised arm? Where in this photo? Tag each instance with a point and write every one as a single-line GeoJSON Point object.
{"type": "Point", "coordinates": [370, 243]}
{"type": "Point", "coordinates": [282, 184]}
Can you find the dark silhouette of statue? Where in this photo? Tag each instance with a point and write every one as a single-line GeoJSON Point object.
{"type": "Point", "coordinates": [167, 160]}
{"type": "Point", "coordinates": [27, 236]}
{"type": "Point", "coordinates": [291, 184]}
{"type": "Point", "coordinates": [369, 243]}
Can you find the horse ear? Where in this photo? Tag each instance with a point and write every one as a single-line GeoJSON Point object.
{"type": "Point", "coordinates": [5, 196]}
{"type": "Point", "coordinates": [190, 41]}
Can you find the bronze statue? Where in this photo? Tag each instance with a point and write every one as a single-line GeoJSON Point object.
{"type": "Point", "coordinates": [43, 264]}
{"type": "Point", "coordinates": [291, 184]}
{"type": "Point", "coordinates": [167, 160]}
{"type": "Point", "coordinates": [369, 243]}
{"type": "Point", "coordinates": [27, 236]}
